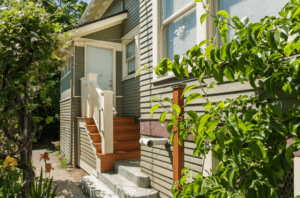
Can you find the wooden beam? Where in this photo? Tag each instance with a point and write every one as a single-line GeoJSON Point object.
{"type": "Point", "coordinates": [178, 151]}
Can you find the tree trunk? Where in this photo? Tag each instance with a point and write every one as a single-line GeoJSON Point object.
{"type": "Point", "coordinates": [28, 174]}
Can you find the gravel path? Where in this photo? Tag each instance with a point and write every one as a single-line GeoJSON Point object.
{"type": "Point", "coordinates": [68, 181]}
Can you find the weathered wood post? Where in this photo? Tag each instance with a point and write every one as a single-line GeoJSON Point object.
{"type": "Point", "coordinates": [178, 151]}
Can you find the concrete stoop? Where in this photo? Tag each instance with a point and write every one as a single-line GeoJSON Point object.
{"type": "Point", "coordinates": [126, 181]}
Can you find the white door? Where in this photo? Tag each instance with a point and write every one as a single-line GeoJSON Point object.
{"type": "Point", "coordinates": [100, 61]}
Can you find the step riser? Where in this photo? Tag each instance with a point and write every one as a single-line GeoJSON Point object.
{"type": "Point", "coordinates": [124, 138]}
{"type": "Point", "coordinates": [93, 130]}
{"type": "Point", "coordinates": [96, 139]}
{"type": "Point", "coordinates": [122, 147]}
{"type": "Point", "coordinates": [90, 121]}
{"type": "Point", "coordinates": [124, 129]}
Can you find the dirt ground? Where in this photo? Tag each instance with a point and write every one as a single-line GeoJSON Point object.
{"type": "Point", "coordinates": [68, 179]}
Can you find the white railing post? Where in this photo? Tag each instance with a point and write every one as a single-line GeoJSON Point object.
{"type": "Point", "coordinates": [83, 96]}
{"type": "Point", "coordinates": [90, 78]}
{"type": "Point", "coordinates": [106, 120]}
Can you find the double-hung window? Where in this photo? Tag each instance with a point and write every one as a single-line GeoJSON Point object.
{"type": "Point", "coordinates": [67, 68]}
{"type": "Point", "coordinates": [131, 53]}
{"type": "Point", "coordinates": [130, 57]}
{"type": "Point", "coordinates": [175, 29]}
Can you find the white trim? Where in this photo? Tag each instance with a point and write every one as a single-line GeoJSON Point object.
{"type": "Point", "coordinates": [296, 176]}
{"type": "Point", "coordinates": [180, 12]}
{"type": "Point", "coordinates": [68, 98]}
{"type": "Point", "coordinates": [99, 25]}
{"type": "Point", "coordinates": [76, 96]}
{"type": "Point", "coordinates": [132, 32]}
{"type": "Point", "coordinates": [86, 11]}
{"type": "Point", "coordinates": [128, 77]}
{"type": "Point", "coordinates": [117, 46]}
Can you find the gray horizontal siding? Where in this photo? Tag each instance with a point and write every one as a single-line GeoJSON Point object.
{"type": "Point", "coordinates": [86, 151]}
{"type": "Point", "coordinates": [79, 69]}
{"type": "Point", "coordinates": [119, 107]}
{"type": "Point", "coordinates": [132, 8]}
{"type": "Point", "coordinates": [65, 127]}
{"type": "Point", "coordinates": [131, 98]}
{"type": "Point", "coordinates": [112, 34]}
{"type": "Point", "coordinates": [157, 162]}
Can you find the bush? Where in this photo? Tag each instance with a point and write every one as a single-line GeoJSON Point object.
{"type": "Point", "coordinates": [10, 181]}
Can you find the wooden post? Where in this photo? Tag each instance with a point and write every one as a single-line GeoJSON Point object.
{"type": "Point", "coordinates": [178, 151]}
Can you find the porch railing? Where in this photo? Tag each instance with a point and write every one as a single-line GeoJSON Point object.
{"type": "Point", "coordinates": [98, 104]}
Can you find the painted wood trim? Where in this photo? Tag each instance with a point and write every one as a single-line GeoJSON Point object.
{"type": "Point", "coordinates": [87, 168]}
{"type": "Point", "coordinates": [99, 25]}
{"type": "Point", "coordinates": [117, 46]}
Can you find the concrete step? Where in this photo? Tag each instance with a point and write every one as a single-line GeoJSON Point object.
{"type": "Point", "coordinates": [95, 188]}
{"type": "Point", "coordinates": [130, 170]}
{"type": "Point", "coordinates": [125, 188]}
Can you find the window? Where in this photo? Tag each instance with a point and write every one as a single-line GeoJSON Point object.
{"type": "Point", "coordinates": [131, 53]}
{"type": "Point", "coordinates": [254, 9]}
{"type": "Point", "coordinates": [179, 31]}
{"type": "Point", "coordinates": [130, 57]}
{"type": "Point", "coordinates": [175, 29]}
{"type": "Point", "coordinates": [68, 67]}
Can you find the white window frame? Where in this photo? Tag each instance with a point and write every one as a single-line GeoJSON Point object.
{"type": "Point", "coordinates": [66, 70]}
{"type": "Point", "coordinates": [158, 34]}
{"type": "Point", "coordinates": [134, 34]}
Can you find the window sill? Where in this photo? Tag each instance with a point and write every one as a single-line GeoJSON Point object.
{"type": "Point", "coordinates": [128, 77]}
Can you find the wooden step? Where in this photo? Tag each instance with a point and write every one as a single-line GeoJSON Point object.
{"type": "Point", "coordinates": [124, 129]}
{"type": "Point", "coordinates": [121, 146]}
{"type": "Point", "coordinates": [121, 137]}
{"type": "Point", "coordinates": [92, 128]}
{"type": "Point", "coordinates": [124, 121]}
{"type": "Point", "coordinates": [96, 137]}
{"type": "Point", "coordinates": [89, 121]}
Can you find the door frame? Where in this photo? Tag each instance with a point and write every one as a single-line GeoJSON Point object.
{"type": "Point", "coordinates": [114, 55]}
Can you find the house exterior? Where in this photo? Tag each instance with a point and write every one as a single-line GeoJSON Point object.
{"type": "Point", "coordinates": [113, 40]}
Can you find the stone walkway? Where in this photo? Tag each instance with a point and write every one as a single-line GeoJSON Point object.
{"type": "Point", "coordinates": [68, 181]}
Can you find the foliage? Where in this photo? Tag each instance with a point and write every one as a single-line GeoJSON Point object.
{"type": "Point", "coordinates": [40, 190]}
{"type": "Point", "coordinates": [10, 181]}
{"type": "Point", "coordinates": [28, 40]}
{"type": "Point", "coordinates": [63, 162]}
{"type": "Point", "coordinates": [248, 135]}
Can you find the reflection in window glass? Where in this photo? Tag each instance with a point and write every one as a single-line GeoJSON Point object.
{"type": "Point", "coordinates": [254, 9]}
{"type": "Point", "coordinates": [180, 35]}
{"type": "Point", "coordinates": [130, 49]}
{"type": "Point", "coordinates": [131, 66]}
{"type": "Point", "coordinates": [172, 6]}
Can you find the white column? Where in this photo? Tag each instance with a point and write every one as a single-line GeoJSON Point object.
{"type": "Point", "coordinates": [296, 176]}
{"type": "Point", "coordinates": [83, 96]}
{"type": "Point", "coordinates": [207, 166]}
{"type": "Point", "coordinates": [106, 120]}
{"type": "Point", "coordinates": [90, 77]}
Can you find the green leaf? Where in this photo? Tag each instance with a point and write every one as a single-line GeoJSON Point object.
{"type": "Point", "coordinates": [176, 108]}
{"type": "Point", "coordinates": [251, 38]}
{"type": "Point", "coordinates": [271, 40]}
{"type": "Point", "coordinates": [204, 120]}
{"type": "Point", "coordinates": [188, 88]}
{"type": "Point", "coordinates": [223, 13]}
{"type": "Point", "coordinates": [153, 109]}
{"type": "Point", "coordinates": [49, 119]}
{"type": "Point", "coordinates": [213, 85]}
{"type": "Point", "coordinates": [296, 12]}
{"type": "Point", "coordinates": [172, 137]}
{"type": "Point", "coordinates": [241, 63]}
{"type": "Point", "coordinates": [280, 128]}
{"type": "Point", "coordinates": [218, 74]}
{"type": "Point", "coordinates": [35, 119]}
{"type": "Point", "coordinates": [258, 149]}
{"type": "Point", "coordinates": [203, 17]}
{"type": "Point", "coordinates": [229, 73]}
{"type": "Point", "coordinates": [203, 43]}
{"type": "Point", "coordinates": [237, 156]}
{"type": "Point", "coordinates": [287, 89]}
{"type": "Point", "coordinates": [193, 115]}
{"type": "Point", "coordinates": [163, 117]}
{"type": "Point", "coordinates": [294, 124]}
{"type": "Point", "coordinates": [211, 126]}
{"type": "Point", "coordinates": [220, 136]}
{"type": "Point", "coordinates": [250, 114]}
{"type": "Point", "coordinates": [208, 50]}
{"type": "Point", "coordinates": [166, 99]}
{"type": "Point", "coordinates": [289, 48]}
{"type": "Point", "coordinates": [192, 97]}
{"type": "Point", "coordinates": [236, 21]}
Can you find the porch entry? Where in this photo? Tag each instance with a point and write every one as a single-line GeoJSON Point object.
{"type": "Point", "coordinates": [100, 62]}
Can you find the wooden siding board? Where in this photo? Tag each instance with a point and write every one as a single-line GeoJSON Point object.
{"type": "Point", "coordinates": [86, 151]}
{"type": "Point", "coordinates": [65, 124]}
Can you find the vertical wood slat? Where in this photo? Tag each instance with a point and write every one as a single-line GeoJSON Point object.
{"type": "Point", "coordinates": [178, 151]}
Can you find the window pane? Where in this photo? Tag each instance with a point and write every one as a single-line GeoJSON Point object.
{"type": "Point", "coordinates": [180, 35]}
{"type": "Point", "coordinates": [172, 6]}
{"type": "Point", "coordinates": [254, 9]}
{"type": "Point", "coordinates": [131, 66]}
{"type": "Point", "coordinates": [130, 49]}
